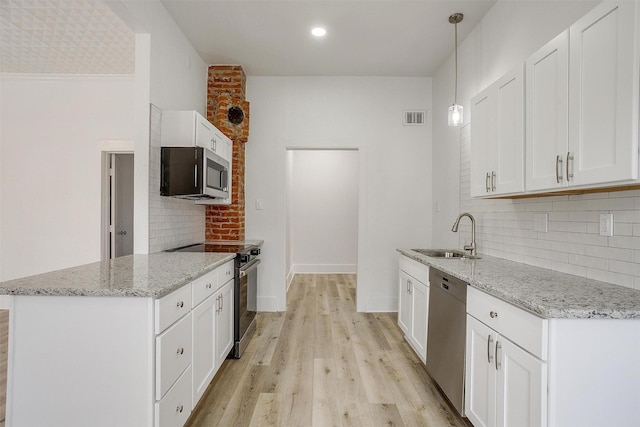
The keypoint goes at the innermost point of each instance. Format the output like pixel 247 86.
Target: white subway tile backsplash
pixel 572 245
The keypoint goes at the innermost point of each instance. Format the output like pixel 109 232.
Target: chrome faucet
pixel 472 246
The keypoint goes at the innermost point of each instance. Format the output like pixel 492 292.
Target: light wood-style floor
pixel 4 344
pixel 323 364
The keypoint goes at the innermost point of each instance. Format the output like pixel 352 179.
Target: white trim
pixel 268 304
pixel 290 275
pixel 381 305
pixel 117 146
pixel 43 76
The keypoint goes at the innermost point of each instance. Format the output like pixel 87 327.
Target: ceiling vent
pixel 413 118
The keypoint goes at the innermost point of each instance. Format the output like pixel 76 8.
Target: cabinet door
pixel 521 390
pixel 204 133
pixel 547 109
pixel 224 323
pixel 507 173
pixel 419 317
pixel 603 95
pixel 482 113
pixel 480 374
pixel 404 303
pixel 204 354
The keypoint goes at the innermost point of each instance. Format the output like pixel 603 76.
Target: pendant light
pixel 455 111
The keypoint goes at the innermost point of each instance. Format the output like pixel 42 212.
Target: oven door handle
pixel 247 268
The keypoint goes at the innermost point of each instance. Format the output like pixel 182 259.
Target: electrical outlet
pixel 540 222
pixel 259 204
pixel 606 225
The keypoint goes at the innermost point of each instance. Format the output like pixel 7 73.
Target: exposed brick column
pixel 225 89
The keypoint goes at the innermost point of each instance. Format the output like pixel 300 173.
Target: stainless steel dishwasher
pixel 446 334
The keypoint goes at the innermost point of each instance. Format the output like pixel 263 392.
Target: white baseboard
pixel 5 301
pixel 267 304
pixel 290 278
pixel 324 268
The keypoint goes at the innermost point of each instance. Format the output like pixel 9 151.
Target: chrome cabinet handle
pixel 493 314
pixel 559 162
pixel 221 302
pixel 493 180
pixel 498 347
pixel 180 304
pixel 180 408
pixel 218 304
pixel 208 285
pixel 180 350
pixel 489 357
pixel 569 174
pixel 409 285
pixel 486 182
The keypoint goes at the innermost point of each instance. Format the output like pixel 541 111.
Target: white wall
pixel 324 211
pixel 508 34
pixel 52 130
pixel 395 191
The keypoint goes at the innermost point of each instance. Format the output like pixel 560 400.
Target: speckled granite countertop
pixel 547 293
pixel 154 275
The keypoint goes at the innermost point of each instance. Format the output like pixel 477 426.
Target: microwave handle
pixel 195 175
pixel 225 179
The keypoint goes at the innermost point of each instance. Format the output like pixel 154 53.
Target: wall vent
pixel 413 118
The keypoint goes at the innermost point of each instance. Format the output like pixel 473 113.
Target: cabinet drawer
pixel 175 408
pixel 523 328
pixel 204 286
pixel 225 273
pixel 414 268
pixel 172 307
pixel 173 354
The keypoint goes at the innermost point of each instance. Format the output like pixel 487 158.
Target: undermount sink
pixel 445 253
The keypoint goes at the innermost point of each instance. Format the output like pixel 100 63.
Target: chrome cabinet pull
pixel 409 286
pixel 221 302
pixel 493 314
pixel 180 304
pixel 218 304
pixel 486 182
pixel 180 408
pixel 489 357
pixel 498 347
pixel 493 180
pixel 569 174
pixel 208 285
pixel 180 350
pixel 558 169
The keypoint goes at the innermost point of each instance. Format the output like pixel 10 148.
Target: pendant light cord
pixel 455 92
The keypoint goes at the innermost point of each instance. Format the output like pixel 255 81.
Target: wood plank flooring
pixel 323 364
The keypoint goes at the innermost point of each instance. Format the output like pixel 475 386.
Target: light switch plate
pixel 259 204
pixel 540 222
pixel 606 225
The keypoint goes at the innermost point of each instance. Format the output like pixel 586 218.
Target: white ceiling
pixel 64 37
pixel 365 37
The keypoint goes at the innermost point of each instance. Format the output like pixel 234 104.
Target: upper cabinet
pixel 497 137
pixel 190 128
pixel 581 109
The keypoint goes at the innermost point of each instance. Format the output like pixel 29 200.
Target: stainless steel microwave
pixel 193 173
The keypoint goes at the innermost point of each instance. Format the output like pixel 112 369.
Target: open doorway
pixel 117 235
pixel 322 211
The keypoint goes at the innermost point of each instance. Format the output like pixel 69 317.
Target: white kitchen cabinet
pixel 523 370
pixel 582 103
pixel 504 385
pixel 224 322
pixel 413 306
pixel 204 346
pixel 547 114
pixel 189 129
pixel 497 137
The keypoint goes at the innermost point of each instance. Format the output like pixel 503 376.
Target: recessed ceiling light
pixel 319 32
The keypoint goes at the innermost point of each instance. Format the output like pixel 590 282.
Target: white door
pixel 482 113
pixel 204 351
pixel 121 205
pixel 480 374
pixel 509 133
pixel 224 323
pixel 521 390
pixel 419 314
pixel 404 303
pixel 603 93
pixel 547 89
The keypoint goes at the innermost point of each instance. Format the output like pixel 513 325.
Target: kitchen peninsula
pixel 109 343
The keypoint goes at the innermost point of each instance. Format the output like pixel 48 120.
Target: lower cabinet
pixel 413 304
pixel 224 323
pixel 505 385
pixel 204 350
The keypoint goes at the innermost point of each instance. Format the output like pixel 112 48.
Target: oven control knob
pixel 255 251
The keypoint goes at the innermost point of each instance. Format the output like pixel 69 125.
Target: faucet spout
pixel 472 247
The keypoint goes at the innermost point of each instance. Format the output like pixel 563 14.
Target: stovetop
pixel 223 247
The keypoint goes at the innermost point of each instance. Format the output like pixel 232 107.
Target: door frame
pixel 108 148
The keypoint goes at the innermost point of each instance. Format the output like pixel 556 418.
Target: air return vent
pixel 413 118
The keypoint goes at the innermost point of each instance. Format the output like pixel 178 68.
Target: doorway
pixel 117 205
pixel 322 200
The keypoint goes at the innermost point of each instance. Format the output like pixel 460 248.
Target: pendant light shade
pixel 455 111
